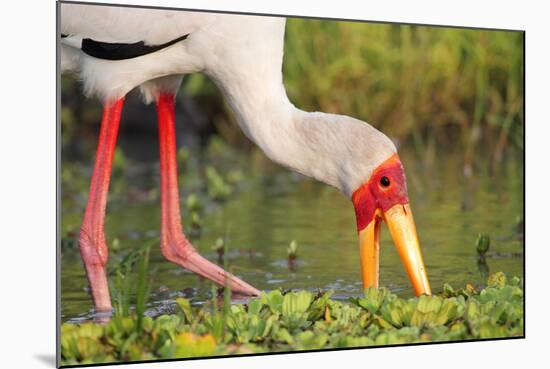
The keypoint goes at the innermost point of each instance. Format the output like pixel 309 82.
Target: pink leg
pixel 174 245
pixel 93 247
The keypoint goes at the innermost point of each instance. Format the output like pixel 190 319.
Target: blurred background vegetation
pixel 426 84
pixel 431 87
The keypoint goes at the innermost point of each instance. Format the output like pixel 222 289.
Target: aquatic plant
pixel 122 281
pixel 196 220
pixel 301 320
pixel 219 247
pixel 482 244
pixel 115 244
pixel 218 188
pixel 193 203
pixel 292 250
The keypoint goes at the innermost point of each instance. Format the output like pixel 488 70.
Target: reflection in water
pixel 482 266
pixel 274 206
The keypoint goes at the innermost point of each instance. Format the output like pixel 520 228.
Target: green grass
pixel 122 286
pixel 279 322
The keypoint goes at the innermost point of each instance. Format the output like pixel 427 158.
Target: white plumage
pixel 243 55
pixel 129 25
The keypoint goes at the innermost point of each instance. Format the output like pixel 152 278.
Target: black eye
pixel 385 181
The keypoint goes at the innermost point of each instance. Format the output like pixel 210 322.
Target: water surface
pixel 272 206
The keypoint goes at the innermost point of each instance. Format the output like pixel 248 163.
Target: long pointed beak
pixel 369 251
pixel 403 232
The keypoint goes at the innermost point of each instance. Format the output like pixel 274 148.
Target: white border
pixel 28 181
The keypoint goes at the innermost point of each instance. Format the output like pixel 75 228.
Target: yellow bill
pixel 402 229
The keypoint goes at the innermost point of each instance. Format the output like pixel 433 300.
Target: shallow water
pixel 273 206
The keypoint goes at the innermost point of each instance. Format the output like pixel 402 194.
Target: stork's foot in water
pixel 94 255
pixel 181 252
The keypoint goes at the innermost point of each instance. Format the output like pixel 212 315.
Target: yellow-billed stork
pixel 115 49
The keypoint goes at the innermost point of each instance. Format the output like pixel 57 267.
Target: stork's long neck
pixel 263 112
pixel 334 149
pixel 267 117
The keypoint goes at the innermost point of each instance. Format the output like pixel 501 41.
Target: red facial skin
pixel 373 195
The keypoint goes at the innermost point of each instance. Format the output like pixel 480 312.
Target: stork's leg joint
pixel 95 254
pixel 177 249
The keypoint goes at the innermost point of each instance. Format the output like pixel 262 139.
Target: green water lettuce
pixel 301 320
